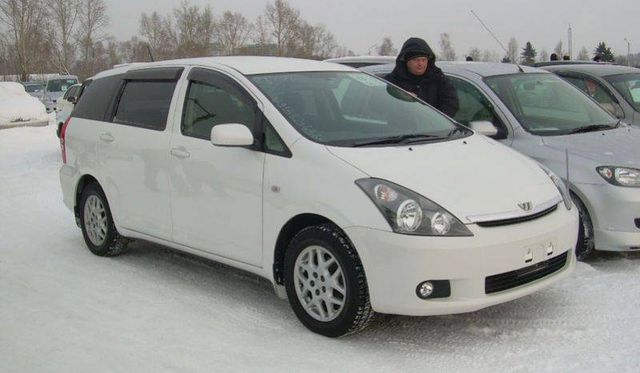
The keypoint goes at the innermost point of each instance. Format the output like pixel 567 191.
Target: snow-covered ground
pixel 63 309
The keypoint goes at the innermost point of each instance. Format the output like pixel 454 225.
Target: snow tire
pixel 110 243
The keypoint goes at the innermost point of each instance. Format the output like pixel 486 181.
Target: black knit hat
pixel 409 55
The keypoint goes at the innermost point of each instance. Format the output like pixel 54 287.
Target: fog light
pixel 425 289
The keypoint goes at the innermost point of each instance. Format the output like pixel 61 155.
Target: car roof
pixel 58 77
pixel 482 69
pixel 595 69
pixel 363 59
pixel 246 65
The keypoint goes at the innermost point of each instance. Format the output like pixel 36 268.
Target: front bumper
pixel 613 212
pixel 395 264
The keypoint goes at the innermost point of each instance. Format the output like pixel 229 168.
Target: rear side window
pixel 145 104
pixel 97 97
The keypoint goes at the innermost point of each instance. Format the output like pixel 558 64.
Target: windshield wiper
pixel 593 128
pixel 404 139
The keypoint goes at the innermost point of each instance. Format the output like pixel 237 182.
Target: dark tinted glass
pixel 97 97
pixel 208 105
pixel 145 104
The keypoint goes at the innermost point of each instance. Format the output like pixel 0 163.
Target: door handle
pixel 180 152
pixel 107 137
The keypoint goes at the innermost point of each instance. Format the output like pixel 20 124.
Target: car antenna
pixel 150 54
pixel 497 40
pixel 566 155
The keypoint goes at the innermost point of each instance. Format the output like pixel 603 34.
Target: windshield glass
pixel 60 85
pixel 544 104
pixel 31 88
pixel 628 85
pixel 353 109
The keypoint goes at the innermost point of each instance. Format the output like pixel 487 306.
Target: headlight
pixel 562 187
pixel 620 176
pixel 410 213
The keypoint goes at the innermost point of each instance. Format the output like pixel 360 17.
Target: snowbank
pixel 18 108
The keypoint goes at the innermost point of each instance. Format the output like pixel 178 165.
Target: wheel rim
pixel 95 220
pixel 319 283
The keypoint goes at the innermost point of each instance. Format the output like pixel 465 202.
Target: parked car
pixel 34 89
pixel 616 88
pixel 65 105
pixel 348 194
pixel 55 88
pixel 18 108
pixel 549 120
pixel 362 61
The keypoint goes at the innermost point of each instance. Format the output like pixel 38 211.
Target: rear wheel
pixel 325 282
pixel 96 222
pixel 586 243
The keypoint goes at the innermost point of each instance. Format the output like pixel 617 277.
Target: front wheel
pixel 325 282
pixel 586 243
pixel 97 225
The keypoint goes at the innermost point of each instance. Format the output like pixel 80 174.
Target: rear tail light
pixel 63 133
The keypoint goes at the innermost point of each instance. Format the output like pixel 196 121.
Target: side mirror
pixel 484 127
pixel 72 100
pixel 231 135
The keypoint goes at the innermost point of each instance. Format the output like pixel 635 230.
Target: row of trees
pixel 528 55
pixel 70 36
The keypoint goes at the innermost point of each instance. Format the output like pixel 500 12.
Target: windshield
pixel 628 85
pixel 353 109
pixel 31 88
pixel 60 85
pixel 546 105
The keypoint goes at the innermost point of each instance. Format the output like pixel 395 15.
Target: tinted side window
pixel 97 97
pixel 145 104
pixel 210 104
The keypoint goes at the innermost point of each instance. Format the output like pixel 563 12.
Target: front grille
pixel 522 219
pixel 508 280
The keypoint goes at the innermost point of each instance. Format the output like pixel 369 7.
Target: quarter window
pixel 145 104
pixel 209 104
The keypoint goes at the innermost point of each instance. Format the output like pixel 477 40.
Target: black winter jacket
pixel 432 87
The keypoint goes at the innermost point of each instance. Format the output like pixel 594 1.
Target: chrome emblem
pixel 526 206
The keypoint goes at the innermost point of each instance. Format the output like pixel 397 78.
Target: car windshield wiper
pixel 404 139
pixel 593 128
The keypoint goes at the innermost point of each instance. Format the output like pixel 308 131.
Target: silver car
pixel 544 117
pixel 55 88
pixel 616 88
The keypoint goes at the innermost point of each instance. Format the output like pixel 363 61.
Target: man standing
pixel 417 73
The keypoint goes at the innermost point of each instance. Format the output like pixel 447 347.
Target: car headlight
pixel 562 187
pixel 620 176
pixel 410 213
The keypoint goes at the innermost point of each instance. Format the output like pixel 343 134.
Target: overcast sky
pixel 361 24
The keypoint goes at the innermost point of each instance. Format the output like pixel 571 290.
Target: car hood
pixel 471 178
pixel 616 147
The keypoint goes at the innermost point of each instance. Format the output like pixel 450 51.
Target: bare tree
pixel 558 49
pixel 284 23
pixel 512 49
pixel 475 54
pixel 447 53
pixel 92 20
pixel 232 31
pixel 490 56
pixel 63 17
pixel 314 42
pixel 544 55
pixel 387 48
pixel 134 50
pixel 159 34
pixel 24 20
pixel 194 30
pixel 583 55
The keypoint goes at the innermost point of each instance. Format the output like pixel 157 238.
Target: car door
pixel 216 192
pixel 133 151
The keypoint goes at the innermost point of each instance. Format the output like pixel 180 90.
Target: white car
pixel 18 108
pixel 345 192
pixel 65 105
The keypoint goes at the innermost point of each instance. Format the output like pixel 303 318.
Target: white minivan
pixel 348 194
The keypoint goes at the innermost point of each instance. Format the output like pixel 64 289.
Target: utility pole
pixel 628 52
pixel 570 43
